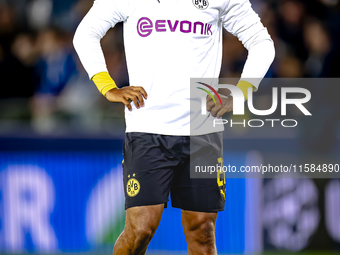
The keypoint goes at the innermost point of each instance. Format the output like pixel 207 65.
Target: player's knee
pixel 205 234
pixel 143 234
pixel 202 230
pixel 141 224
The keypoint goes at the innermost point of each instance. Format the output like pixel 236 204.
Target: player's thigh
pixel 147 169
pixel 199 195
pixel 143 219
pixel 207 192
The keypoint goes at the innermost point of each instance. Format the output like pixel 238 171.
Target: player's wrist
pixel 244 86
pixel 104 82
pixel 110 91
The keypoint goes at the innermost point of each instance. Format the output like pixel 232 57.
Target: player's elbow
pixel 81 36
pixel 260 43
pixel 77 39
pixel 265 49
pixel 270 50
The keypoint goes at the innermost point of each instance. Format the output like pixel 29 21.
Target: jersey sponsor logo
pixel 132 186
pixel 201 4
pixel 145 27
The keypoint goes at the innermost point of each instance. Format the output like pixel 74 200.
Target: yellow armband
pixel 103 82
pixel 244 85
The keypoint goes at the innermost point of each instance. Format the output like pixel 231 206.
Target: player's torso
pixel 167 42
pixel 163 36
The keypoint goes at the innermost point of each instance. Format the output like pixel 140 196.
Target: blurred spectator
pixel 17 68
pixel 39 13
pixel 290 67
pixel 7 28
pixel 55 69
pixel 318 45
pixel 290 26
pixel 56 65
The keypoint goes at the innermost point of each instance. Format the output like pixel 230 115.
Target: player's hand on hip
pixel 126 95
pixel 217 110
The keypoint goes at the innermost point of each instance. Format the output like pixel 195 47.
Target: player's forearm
pixel 261 52
pixel 87 45
pixel 241 20
pixel 102 16
pixel 260 57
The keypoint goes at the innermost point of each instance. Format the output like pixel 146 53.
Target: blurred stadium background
pixel 61 141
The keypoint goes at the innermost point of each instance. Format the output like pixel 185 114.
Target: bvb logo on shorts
pixel 132 187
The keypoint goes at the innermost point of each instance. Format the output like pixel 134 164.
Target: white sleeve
pixel 240 20
pixel 103 15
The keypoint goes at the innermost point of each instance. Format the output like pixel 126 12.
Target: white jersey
pixel 167 42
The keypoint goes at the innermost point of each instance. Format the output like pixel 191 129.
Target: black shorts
pixel 155 165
